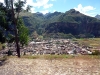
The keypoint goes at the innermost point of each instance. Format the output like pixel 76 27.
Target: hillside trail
pixel 23 66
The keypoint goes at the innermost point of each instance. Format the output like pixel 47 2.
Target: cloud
pixel 47 6
pixel 2 1
pixel 40 3
pixel 37 4
pixel 85 10
pixel 33 10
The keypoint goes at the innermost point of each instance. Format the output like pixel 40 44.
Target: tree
pixel 14 21
pixel 34 35
pixel 3 23
pixel 23 33
pixel 9 17
pixel 13 9
pixel 28 8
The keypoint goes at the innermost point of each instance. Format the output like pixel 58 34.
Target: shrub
pixel 96 52
pixel 3 47
pixel 9 53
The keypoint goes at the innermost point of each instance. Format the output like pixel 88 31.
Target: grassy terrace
pixel 94 42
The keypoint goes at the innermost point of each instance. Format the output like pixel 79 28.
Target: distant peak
pixel 38 13
pixel 74 11
pixel 97 16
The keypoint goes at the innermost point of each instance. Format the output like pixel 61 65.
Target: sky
pixel 87 7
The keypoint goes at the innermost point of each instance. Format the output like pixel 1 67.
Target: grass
pixel 94 42
pixel 51 57
pixel 3 58
pixel 0 46
pixel 88 57
pixel 44 56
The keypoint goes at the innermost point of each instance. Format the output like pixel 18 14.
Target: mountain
pixel 34 21
pixel 71 22
pixel 37 21
pixel 97 16
pixel 53 17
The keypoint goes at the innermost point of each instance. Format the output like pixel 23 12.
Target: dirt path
pixel 15 66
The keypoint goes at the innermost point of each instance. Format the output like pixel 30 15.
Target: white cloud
pixel 37 4
pixel 85 10
pixel 2 1
pixel 44 12
pixel 47 6
pixel 40 3
pixel 33 10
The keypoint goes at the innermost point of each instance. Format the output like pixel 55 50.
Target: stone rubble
pixel 57 46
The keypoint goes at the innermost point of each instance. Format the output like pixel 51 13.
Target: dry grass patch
pixel 94 42
pixel 47 56
pixel 0 46
pixel 59 57
pixel 79 65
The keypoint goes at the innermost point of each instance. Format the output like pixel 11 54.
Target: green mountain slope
pixel 71 22
pixel 75 23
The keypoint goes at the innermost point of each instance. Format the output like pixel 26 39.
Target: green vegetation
pixel 71 22
pixel 96 52
pixel 59 35
pixel 2 59
pixel 68 25
pixel 23 33
pixel 34 35
pixel 92 42
pixel 47 56
pixel 51 57
pixel 11 27
pixel 0 46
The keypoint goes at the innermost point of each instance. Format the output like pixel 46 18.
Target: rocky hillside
pixel 75 23
pixel 71 21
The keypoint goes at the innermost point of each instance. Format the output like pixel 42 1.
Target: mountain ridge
pixel 71 21
pixel 97 16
